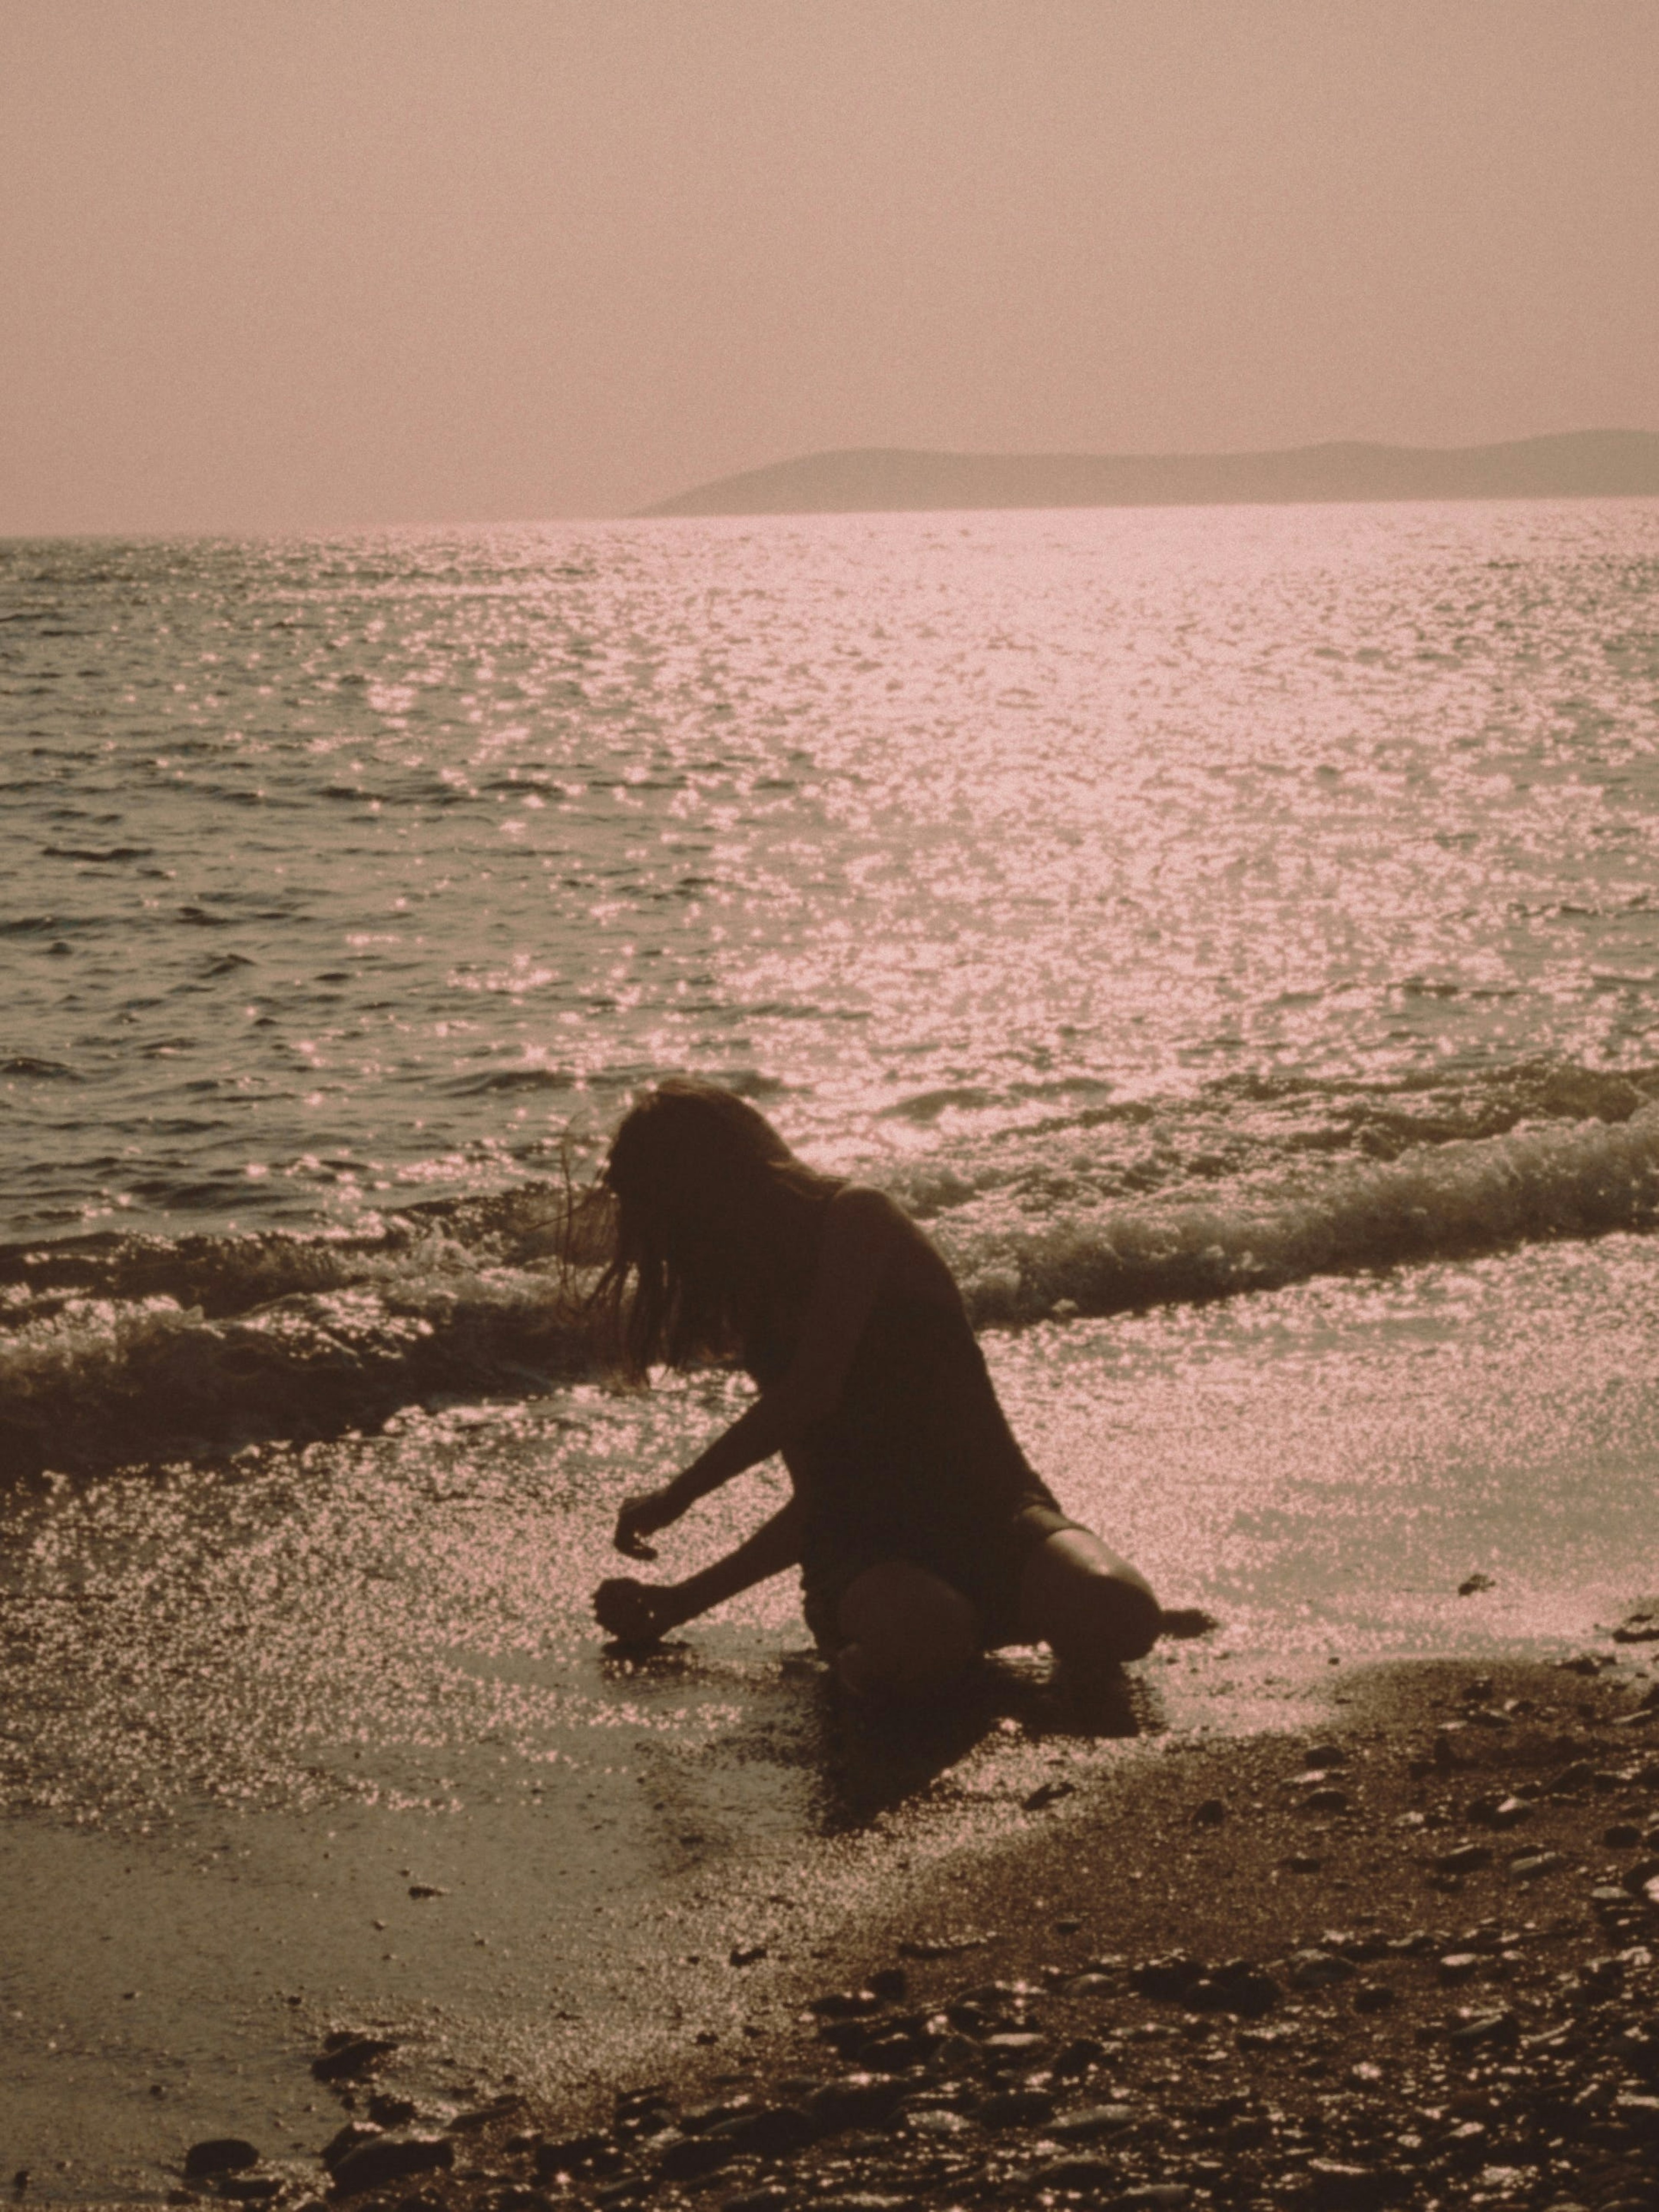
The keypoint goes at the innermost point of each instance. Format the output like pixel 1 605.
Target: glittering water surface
pixel 345 867
pixel 1163 903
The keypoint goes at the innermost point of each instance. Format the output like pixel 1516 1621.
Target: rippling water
pixel 1164 903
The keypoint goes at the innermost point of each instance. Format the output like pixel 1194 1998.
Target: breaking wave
pixel 118 1350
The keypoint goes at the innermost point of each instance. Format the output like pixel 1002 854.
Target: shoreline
pixel 1420 1885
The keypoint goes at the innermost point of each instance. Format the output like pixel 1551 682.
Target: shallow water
pixel 1166 905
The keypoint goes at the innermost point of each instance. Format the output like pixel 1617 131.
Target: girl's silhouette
pixel 922 1534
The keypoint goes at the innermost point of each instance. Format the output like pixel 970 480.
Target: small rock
pixel 1342 2188
pixel 392 2158
pixel 1210 1813
pixel 1167 1979
pixel 1317 1970
pixel 747 1954
pixel 1077 2056
pixel 1091 2122
pixel 1156 2197
pixel 1322 1756
pixel 1329 1799
pixel 219 2154
pixel 1531 1865
pixel 337 2146
pixel 1462 1858
pixel 701 2117
pixel 1471 1585
pixel 688 2158
pixel 1476 2030
pixel 1373 1997
pixel 1459 1966
pixel 348 2058
pixel 845 2004
pixel 1013 2046
pixel 1016 2108
pixel 857 2100
pixel 1046 1794
pixel 570 2155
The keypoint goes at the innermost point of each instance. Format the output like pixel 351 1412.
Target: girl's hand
pixel 641 1517
pixel 635 1612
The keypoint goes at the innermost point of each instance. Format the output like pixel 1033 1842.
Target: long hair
pixel 697 1179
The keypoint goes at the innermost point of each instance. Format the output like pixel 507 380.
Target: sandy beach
pixel 1405 1956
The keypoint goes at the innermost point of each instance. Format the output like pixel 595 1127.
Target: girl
pixel 923 1535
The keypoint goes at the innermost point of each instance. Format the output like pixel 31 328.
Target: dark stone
pixel 398 2113
pixel 1013 2047
pixel 891 2054
pixel 1530 1866
pixel 890 1982
pixel 747 1954
pixel 1075 2060
pixel 1338 2188
pixel 1249 1990
pixel 774 2131
pixel 1016 2108
pixel 1046 1794
pixel 1090 2122
pixel 1462 1858
pixel 1498 2029
pixel 1168 1979
pixel 219 2154
pixel 1373 1996
pixel 688 2157
pixel 1318 1970
pixel 1156 2197
pixel 570 2155
pixel 845 2004
pixel 392 2158
pixel 1459 1966
pixel 1210 1813
pixel 1081 2171
pixel 353 2133
pixel 858 2100
pixel 1328 1800
pixel 701 2117
pixel 349 2058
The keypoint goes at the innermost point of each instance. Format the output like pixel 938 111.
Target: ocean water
pixel 1234 931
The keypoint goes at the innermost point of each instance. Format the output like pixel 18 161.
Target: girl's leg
pixel 907 1633
pixel 1089 1606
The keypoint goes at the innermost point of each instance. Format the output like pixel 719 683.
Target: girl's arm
pixel 640 1612
pixel 862 1230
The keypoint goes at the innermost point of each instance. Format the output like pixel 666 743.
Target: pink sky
pixel 293 263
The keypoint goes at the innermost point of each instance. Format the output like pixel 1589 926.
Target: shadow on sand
pixel 869 1760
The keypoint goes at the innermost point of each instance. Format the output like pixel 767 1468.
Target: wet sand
pixel 1403 1954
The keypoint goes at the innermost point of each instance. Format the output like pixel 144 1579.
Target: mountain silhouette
pixel 1574 464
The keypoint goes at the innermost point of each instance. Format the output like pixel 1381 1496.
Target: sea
pixel 1233 933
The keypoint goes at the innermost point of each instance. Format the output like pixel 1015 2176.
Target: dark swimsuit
pixel 916 1462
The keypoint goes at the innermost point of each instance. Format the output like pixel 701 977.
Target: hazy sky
pixel 268 264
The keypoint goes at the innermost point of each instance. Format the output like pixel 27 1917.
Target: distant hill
pixel 1575 464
